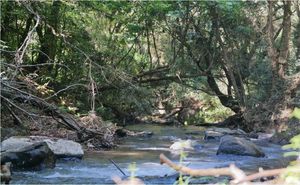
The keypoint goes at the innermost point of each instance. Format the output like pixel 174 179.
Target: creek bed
pixel 96 168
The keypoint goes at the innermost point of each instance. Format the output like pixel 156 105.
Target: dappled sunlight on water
pixel 96 167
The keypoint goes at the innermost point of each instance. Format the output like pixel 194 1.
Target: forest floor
pixel 42 125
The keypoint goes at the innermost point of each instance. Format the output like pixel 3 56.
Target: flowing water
pixel 96 167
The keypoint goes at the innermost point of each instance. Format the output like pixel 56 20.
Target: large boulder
pixel 60 147
pixel 216 133
pixel 37 155
pixel 239 146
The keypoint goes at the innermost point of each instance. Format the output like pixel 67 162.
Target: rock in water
pixel 182 145
pixel 216 133
pixel 65 148
pixel 37 155
pixel 239 146
pixel 60 147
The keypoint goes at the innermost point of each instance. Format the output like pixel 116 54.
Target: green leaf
pixel 294 153
pixel 296 113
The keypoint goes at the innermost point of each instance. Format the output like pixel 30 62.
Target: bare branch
pixel 194 172
pixel 239 176
pixel 266 173
pixel 21 51
pixel 34 65
pixel 23 110
pixel 64 89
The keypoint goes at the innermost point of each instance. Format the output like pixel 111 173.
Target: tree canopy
pixel 128 60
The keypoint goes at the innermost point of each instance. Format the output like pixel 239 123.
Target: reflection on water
pixel 96 168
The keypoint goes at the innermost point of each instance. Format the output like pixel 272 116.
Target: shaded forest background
pixel 183 62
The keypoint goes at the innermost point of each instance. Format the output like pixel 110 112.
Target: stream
pixel 96 168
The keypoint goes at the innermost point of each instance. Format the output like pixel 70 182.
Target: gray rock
pixel 212 135
pixel 37 156
pixel 253 135
pixel 183 145
pixel 239 146
pixel 216 133
pixel 60 147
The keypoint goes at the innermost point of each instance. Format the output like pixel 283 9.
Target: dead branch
pixel 64 89
pixel 35 65
pixel 194 172
pixel 11 94
pixel 17 119
pixel 21 109
pixel 117 166
pixel 21 50
pixel 266 173
pixel 239 176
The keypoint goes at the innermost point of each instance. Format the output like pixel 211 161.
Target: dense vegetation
pixel 81 70
pixel 162 61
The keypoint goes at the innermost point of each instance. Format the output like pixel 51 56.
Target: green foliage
pixel 296 113
pixel 129 42
pixel 182 180
pixel 132 168
pixel 295 141
pixel 295 145
pixel 292 174
pixel 213 111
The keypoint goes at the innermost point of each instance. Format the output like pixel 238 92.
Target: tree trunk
pixel 276 111
pixel 297 38
pixel 284 44
pixel 226 100
pixel 48 39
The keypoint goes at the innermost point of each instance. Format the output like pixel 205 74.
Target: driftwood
pixel 122 132
pixel 239 176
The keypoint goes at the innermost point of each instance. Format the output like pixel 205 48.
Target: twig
pixel 92 88
pixel 112 161
pixel 21 109
pixel 64 89
pixel 23 92
pixel 14 115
